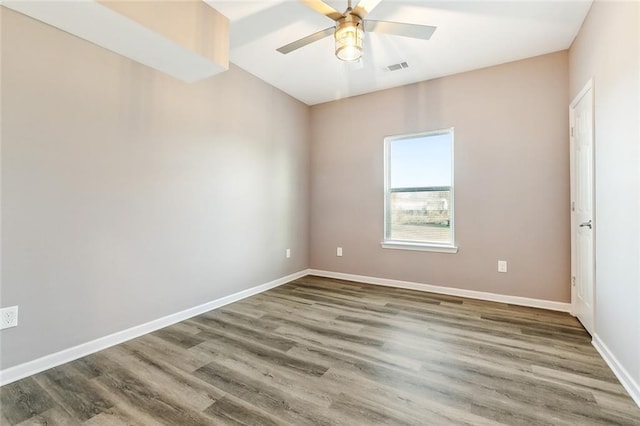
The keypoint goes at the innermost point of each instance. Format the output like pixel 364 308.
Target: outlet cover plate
pixel 8 317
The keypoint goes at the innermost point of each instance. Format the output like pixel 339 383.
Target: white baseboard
pixel 29 368
pixel 621 373
pixel 480 295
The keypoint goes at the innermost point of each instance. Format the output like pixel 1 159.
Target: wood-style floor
pixel 321 351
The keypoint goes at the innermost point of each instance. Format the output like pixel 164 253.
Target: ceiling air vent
pixel 396 67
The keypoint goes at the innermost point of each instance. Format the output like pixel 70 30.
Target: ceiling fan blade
pixel 423 32
pixel 365 7
pixel 288 48
pixel 322 7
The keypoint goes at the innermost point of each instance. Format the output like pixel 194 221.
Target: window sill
pixel 403 245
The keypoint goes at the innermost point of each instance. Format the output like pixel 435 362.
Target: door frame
pixel 587 89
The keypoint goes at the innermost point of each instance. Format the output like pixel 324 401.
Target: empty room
pixel 367 212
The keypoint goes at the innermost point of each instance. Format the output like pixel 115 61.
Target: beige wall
pixel 511 179
pixel 607 49
pixel 128 195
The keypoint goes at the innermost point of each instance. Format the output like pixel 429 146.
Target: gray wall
pixel 128 195
pixel 511 179
pixel 607 49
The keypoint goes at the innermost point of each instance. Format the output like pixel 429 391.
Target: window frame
pixel 417 245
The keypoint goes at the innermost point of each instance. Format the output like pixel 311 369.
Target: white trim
pixel 402 245
pixel 588 86
pixel 386 243
pixel 472 294
pixel 632 387
pixel 29 368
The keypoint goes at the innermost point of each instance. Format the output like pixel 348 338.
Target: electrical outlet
pixel 288 253
pixel 8 317
pixel 339 252
pixel 502 266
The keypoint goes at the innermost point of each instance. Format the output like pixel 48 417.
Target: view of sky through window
pixel 423 164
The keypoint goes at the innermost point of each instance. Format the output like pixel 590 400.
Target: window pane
pixel 420 216
pixel 421 161
pixel 419 188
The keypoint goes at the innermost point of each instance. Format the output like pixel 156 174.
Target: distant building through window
pixel 419 189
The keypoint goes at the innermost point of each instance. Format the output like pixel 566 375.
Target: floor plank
pixel 321 351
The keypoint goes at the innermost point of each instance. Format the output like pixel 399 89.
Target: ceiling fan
pixel 351 26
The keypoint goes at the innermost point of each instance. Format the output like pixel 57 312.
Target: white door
pixel 582 208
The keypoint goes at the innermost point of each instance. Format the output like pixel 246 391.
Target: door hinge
pixel 573 206
pixel 571 131
pixel 573 281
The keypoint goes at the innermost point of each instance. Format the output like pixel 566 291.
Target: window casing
pixel 419 201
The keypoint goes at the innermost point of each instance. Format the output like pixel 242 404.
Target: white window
pixel 419 192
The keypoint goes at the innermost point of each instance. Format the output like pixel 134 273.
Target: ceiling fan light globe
pixel 349 53
pixel 349 38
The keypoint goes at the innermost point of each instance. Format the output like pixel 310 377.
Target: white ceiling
pixel 470 35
